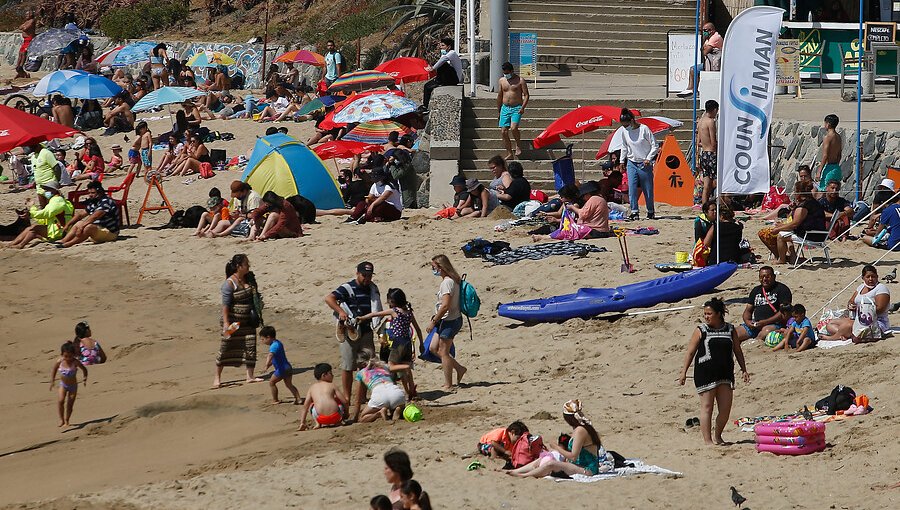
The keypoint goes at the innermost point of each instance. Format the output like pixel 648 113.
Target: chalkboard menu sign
pixel 882 32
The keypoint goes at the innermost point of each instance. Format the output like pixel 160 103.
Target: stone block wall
pixel 802 145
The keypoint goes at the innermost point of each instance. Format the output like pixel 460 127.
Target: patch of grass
pixel 141 19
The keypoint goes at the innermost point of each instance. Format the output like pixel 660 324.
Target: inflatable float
pixel 790 438
pixel 589 302
pixel 427 355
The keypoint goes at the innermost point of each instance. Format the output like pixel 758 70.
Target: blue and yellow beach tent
pixel 283 164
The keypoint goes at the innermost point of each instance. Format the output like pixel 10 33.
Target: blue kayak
pixel 590 302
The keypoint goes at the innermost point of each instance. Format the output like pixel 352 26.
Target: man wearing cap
pixel 460 194
pixel 593 211
pixel 483 202
pixel 49 220
pixel 356 298
pixel 99 220
pixel 244 201
pixel 43 165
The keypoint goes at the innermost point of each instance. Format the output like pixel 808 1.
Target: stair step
pixel 620 10
pixel 599 27
pixel 612 38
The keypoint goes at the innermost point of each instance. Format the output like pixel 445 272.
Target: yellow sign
pixel 787 60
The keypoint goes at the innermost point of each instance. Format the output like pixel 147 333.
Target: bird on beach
pixel 807 415
pixel 890 277
pixel 737 498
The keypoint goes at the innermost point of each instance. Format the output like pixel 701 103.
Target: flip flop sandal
pixel 475 465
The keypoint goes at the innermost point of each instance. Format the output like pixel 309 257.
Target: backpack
pixel 342 65
pixel 206 171
pixel 479 247
pixel 469 302
pixel 841 399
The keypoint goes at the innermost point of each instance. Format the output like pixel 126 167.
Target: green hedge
pixel 140 19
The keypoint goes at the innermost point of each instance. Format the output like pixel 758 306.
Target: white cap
pixel 888 183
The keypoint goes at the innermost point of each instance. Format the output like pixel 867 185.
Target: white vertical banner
pixel 748 94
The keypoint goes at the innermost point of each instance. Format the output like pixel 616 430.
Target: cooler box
pixel 564 169
pixel 217 156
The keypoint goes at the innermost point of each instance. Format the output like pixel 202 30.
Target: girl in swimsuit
pixel 91 351
pixel 67 366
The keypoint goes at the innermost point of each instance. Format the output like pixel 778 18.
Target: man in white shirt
pixel 448 68
pixel 639 147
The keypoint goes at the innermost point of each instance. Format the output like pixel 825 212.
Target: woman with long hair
pixel 447 319
pixel 397 471
pixel 583 455
pixel 89 350
pixel 159 66
pixel 713 348
pixel 239 297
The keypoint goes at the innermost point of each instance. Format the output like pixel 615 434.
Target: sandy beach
pixel 150 433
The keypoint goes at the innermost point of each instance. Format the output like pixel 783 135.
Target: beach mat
pixel 639 468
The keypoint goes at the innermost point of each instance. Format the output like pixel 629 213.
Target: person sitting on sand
pixel 585 454
pixel 482 200
pixel 497 443
pixel 120 119
pixel 712 349
pixel 197 154
pixel 328 405
pixel 276 106
pixel 216 213
pixel 353 190
pixel 799 334
pixel 397 471
pixel 553 208
pixel 869 292
pixel 380 502
pixel 704 221
pixel 518 190
pixel 275 218
pixel 89 350
pixel 592 216
pixel 885 233
pixel 244 201
pixel 383 203
pixel 91 166
pixel 502 178
pixel 116 160
pixel 67 367
pixel 461 199
pixel 763 313
pixel 724 244
pixel 277 359
pixel 833 203
pixel 99 220
pixel 387 397
pixel 50 220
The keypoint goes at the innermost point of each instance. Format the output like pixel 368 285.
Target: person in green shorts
pixel 512 98
pixel 830 168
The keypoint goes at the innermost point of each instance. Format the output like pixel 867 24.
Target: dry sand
pixel 152 435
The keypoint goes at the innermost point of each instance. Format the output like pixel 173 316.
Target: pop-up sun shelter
pixel 282 164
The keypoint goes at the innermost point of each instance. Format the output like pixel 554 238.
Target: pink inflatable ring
pixel 789 429
pixel 791 449
pixel 797 440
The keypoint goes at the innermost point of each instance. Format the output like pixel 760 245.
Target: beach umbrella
pixel 361 80
pixel 315 104
pixel 18 129
pixel 53 80
pixel 210 59
pixel 578 121
pixel 374 107
pixel 376 131
pixel 406 69
pixel 302 57
pixel 133 53
pixel 656 125
pixel 345 149
pixel 164 96
pixel 329 123
pixel 106 58
pixel 53 41
pixel 88 86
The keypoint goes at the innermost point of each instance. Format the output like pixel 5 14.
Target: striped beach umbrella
pixel 210 59
pixel 375 132
pixel 106 58
pixel 302 57
pixel 164 96
pixel 134 53
pixel 361 80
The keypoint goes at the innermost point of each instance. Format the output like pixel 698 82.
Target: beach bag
pixel 479 247
pixel 206 171
pixel 700 254
pixel 775 198
pixel 526 449
pixel 840 399
pixel 33 64
pixel 539 195
pixel 865 325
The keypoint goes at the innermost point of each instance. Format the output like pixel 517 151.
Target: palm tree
pixel 429 20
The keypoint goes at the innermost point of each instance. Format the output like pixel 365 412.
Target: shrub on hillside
pixel 142 18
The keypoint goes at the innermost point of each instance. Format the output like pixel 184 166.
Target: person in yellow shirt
pixel 44 166
pixel 49 220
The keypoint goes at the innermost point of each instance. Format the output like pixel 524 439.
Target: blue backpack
pixel 469 302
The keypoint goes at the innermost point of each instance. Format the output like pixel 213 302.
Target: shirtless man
pixel 512 98
pixel 28 28
pixel 706 130
pixel 62 111
pixel 329 406
pixel 120 118
pixel 830 166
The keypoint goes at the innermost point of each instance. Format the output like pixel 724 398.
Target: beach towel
pixel 639 468
pixel 831 344
pixel 569 229
pixel 542 251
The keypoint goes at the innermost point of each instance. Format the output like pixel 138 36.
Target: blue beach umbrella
pixel 164 96
pixel 88 86
pixel 52 81
pixel 134 53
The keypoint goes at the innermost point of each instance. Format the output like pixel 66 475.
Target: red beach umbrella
pixel 578 121
pixel 406 69
pixel 18 129
pixel 344 149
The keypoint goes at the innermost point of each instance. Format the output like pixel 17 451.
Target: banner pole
pixel 696 86
pixel 862 53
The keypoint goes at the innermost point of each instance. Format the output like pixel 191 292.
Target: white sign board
pixel 681 60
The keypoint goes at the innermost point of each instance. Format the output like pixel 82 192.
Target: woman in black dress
pixel 711 348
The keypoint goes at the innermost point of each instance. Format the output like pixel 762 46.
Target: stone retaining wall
pixel 802 145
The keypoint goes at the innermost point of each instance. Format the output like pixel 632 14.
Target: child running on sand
pixel 799 334
pixel 67 366
pixel 278 359
pixel 402 324
pixel 328 404
pixel 145 146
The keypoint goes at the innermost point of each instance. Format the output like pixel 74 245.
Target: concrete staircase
pixel 480 138
pixel 601 36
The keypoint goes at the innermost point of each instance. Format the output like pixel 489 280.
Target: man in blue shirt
pixel 887 230
pixel 334 63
